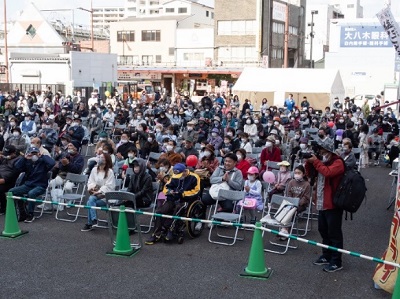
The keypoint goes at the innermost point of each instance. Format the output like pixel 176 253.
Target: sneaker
pixel 22 217
pixel 321 261
pixel 40 206
pixel 153 239
pixel 29 218
pixel 198 226
pixel 87 228
pixel 2 212
pixel 376 163
pixel 169 236
pixel 332 268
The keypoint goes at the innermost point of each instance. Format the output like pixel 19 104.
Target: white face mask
pixel 214 134
pixel 207 153
pixel 248 122
pixel 268 144
pixel 325 158
pixel 229 134
pixel 298 177
pixel 240 157
pixel 297 136
pixel 251 177
pixel 303 146
pixel 256 121
pixel 35 158
pixel 15 134
pixel 282 169
pixel 149 139
pixel 163 169
pixel 169 148
pixel 131 156
pixel 12 124
pixel 124 141
pixel 105 152
pixel 276 123
pixel 277 142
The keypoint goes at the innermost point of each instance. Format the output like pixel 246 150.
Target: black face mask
pixel 321 136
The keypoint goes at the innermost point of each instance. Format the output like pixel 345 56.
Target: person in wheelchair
pixel 182 189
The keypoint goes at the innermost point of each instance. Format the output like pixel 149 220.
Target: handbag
pixel 214 189
pixel 248 203
pixel 285 213
pixel 203 173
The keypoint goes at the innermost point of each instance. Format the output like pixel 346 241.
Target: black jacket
pixel 8 172
pixel 141 185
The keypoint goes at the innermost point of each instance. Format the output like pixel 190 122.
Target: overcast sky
pixel 371 7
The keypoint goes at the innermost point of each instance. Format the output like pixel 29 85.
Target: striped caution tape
pixel 241 225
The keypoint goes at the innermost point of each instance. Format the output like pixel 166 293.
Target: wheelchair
pixel 176 230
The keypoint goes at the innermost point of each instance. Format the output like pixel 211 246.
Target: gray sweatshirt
pixel 235 178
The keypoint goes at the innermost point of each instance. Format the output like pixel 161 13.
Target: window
pixel 243 27
pixel 170 10
pixel 293 30
pixel 158 58
pixel 277 53
pixel 350 5
pixel 127 36
pixel 31 31
pixel 278 27
pixel 151 35
pixel 193 56
pixel 207 13
pixel 171 51
pixel 182 10
pixel 212 15
pixel 237 53
pixel 147 60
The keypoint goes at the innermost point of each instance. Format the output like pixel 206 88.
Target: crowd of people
pixel 42 134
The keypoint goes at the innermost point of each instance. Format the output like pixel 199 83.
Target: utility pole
pixel 286 43
pixel 313 12
pixel 5 40
pixel 91 24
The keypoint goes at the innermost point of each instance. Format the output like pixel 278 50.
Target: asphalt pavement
pixel 56 259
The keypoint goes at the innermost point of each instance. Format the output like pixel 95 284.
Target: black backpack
pixel 350 192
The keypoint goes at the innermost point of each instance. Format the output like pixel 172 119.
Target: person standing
pixel 328 174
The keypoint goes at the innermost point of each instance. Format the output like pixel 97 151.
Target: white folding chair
pixel 257 150
pixel 269 222
pixel 227 195
pixel 307 215
pixel 45 197
pixel 114 200
pixel 128 172
pixel 151 208
pixel 357 151
pixel 76 196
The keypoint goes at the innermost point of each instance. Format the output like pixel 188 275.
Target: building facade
pixel 103 16
pixel 351 9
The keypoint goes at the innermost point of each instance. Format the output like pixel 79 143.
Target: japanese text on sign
pixel 391 27
pixel 363 37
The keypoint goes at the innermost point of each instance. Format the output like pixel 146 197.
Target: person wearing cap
pixel 211 162
pixel 70 161
pixel 183 186
pixel 227 173
pixel 76 130
pixel 28 126
pixel 324 138
pixel 36 168
pixel 327 173
pixel 37 142
pixel 16 139
pixel 188 148
pixel 95 125
pixel 8 173
pixel 215 139
pixel 190 132
pixel 270 153
pixel 282 178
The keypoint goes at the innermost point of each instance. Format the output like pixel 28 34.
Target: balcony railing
pixel 222 64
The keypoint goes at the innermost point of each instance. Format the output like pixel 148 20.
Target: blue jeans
pixel 29 192
pixel 93 201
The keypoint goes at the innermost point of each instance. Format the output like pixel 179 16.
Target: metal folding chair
pixel 228 195
pixel 76 197
pixel 114 200
pixel 151 208
pixel 276 201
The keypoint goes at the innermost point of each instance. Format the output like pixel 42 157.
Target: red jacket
pixel 266 155
pixel 333 173
pixel 243 166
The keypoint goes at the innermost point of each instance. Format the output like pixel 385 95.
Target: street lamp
pixel 91 21
pixel 313 12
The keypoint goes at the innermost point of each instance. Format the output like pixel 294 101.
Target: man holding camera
pixel 327 170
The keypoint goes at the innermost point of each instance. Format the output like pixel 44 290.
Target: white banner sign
pixel 279 11
pixel 391 27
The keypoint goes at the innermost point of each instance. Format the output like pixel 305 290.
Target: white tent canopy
pixel 320 86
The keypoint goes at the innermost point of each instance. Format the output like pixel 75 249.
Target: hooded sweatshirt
pixel 141 185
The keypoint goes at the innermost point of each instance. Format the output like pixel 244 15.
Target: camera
pixel 315 147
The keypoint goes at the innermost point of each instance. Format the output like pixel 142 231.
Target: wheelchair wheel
pixel 195 210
